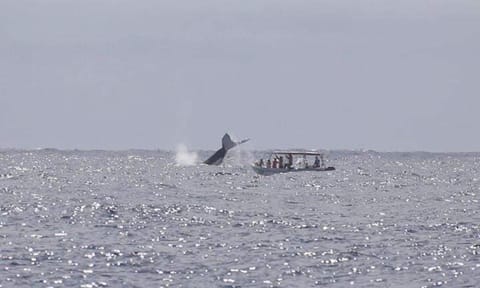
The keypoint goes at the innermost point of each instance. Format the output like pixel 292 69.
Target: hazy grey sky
pixel 118 74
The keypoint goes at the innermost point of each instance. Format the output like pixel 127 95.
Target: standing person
pixel 317 162
pixel 269 163
pixel 290 160
pixel 280 162
pixel 261 162
pixel 275 163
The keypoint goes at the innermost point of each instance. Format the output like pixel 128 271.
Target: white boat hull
pixel 270 171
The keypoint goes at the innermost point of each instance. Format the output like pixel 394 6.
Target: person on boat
pixel 269 163
pixel 290 161
pixel 275 163
pixel 280 162
pixel 316 164
pixel 261 162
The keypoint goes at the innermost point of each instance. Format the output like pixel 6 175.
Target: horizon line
pixel 362 150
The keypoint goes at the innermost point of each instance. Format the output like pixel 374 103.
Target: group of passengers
pixel 278 162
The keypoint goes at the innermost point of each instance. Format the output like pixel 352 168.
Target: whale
pixel 227 144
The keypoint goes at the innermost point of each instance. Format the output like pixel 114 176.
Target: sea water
pixel 137 219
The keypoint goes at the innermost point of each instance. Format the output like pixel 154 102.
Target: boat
pixel 283 162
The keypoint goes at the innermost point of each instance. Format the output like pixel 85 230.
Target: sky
pixel 385 75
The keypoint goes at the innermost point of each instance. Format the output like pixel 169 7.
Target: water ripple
pixel 135 219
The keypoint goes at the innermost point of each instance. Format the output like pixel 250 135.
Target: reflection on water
pixel 136 219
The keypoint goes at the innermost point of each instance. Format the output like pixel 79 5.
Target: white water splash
pixel 184 157
pixel 241 157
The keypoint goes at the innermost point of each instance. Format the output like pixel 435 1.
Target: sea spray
pixel 241 157
pixel 185 158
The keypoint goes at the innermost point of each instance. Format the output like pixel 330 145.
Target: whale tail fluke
pixel 227 144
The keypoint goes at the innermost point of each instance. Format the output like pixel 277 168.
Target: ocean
pixel 137 219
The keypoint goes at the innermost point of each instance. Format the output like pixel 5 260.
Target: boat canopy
pixel 297 152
